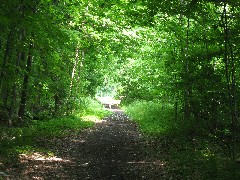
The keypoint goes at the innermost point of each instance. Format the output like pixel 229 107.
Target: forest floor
pixel 113 149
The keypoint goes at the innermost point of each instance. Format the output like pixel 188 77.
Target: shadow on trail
pixel 111 150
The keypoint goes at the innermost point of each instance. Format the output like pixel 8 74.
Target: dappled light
pixel 129 89
pixel 94 119
pixel 38 156
pixel 157 163
pixel 114 148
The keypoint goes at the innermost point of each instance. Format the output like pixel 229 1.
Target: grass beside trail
pixel 188 154
pixel 154 118
pixel 17 140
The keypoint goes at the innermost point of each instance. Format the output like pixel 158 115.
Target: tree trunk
pixel 80 69
pixel 23 101
pixel 6 54
pixel 74 71
pixel 4 83
pixel 56 104
pixel 72 80
pixel 20 58
pixel 187 91
pixel 230 77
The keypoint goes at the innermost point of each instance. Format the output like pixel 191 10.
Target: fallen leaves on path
pixel 112 149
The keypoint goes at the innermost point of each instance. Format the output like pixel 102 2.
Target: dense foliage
pixel 180 53
pixel 189 57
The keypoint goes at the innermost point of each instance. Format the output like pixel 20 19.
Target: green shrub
pixel 153 117
pixel 58 127
pixel 89 106
pixel 17 139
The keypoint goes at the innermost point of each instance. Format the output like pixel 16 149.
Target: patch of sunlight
pixel 131 33
pixel 158 163
pixel 207 153
pixel 37 156
pixel 85 164
pixel 79 141
pixel 29 153
pixel 105 99
pixel 92 118
pixel 38 178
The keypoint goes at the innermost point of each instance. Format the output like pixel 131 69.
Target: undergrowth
pixel 154 118
pixel 16 140
pixel 189 155
pixel 88 106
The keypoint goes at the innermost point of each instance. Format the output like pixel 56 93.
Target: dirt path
pixel 112 150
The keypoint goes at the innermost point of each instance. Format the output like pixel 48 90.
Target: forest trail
pixel 112 150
